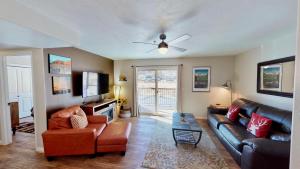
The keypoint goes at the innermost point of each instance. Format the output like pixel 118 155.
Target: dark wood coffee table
pixel 186 129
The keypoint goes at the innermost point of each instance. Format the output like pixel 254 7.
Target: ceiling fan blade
pixel 180 39
pixel 146 43
pixel 178 49
pixel 151 50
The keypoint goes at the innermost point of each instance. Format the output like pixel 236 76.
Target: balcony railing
pixel 166 97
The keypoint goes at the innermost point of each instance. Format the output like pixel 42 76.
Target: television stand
pixel 105 107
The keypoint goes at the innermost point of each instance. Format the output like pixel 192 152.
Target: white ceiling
pixel 217 27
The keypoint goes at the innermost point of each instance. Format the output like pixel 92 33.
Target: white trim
pixel 5 119
pixel 39 95
pixel 39 149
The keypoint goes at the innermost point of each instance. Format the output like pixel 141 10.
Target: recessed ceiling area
pixel 218 28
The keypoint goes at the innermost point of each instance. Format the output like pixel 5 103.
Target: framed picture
pixel 201 79
pixel 59 64
pixel 61 84
pixel 271 77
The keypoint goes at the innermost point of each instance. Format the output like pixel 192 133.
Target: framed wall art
pixel 61 84
pixel 201 79
pixel 60 65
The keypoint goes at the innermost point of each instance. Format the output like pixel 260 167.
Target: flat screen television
pixel 103 83
pixel 90 84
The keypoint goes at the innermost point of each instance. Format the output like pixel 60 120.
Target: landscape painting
pixel 271 77
pixel 201 79
pixel 61 85
pixel 59 65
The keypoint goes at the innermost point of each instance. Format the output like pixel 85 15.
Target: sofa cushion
pixel 243 121
pixel 233 112
pixel 66 113
pixel 235 134
pixel 247 107
pixel 59 123
pixel 282 119
pixel 115 134
pixel 259 125
pixel 217 119
pixel 279 136
pixel 99 127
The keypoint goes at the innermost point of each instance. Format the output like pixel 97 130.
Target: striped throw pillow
pixel 79 120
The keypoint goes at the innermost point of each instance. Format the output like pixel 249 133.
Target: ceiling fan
pixel 164 46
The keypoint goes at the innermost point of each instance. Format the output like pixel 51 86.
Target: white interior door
pixel 20 88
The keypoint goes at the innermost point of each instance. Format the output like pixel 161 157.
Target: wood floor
pixel 21 154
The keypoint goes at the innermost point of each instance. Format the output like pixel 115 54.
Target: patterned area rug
pixel 25 127
pixel 163 154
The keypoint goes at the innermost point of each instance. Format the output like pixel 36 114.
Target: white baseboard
pixel 39 149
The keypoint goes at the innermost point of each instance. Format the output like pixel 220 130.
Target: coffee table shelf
pixel 186 129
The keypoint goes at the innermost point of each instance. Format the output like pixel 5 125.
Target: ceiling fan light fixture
pixel 163 48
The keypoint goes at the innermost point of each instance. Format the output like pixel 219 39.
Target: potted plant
pixel 124 112
pixel 122 102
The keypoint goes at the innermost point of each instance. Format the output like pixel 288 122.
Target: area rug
pixel 163 154
pixel 25 127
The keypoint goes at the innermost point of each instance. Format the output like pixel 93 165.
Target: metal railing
pixel 166 97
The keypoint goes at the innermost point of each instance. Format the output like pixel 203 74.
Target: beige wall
pixel 193 102
pixel 81 61
pixel 246 70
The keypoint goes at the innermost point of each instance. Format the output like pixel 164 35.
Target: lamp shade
pixel 163 48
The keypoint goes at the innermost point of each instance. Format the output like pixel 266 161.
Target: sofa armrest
pixel 69 141
pixel 214 110
pixel 269 147
pixel 97 119
pixel 264 154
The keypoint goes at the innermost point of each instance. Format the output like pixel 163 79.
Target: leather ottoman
pixel 114 138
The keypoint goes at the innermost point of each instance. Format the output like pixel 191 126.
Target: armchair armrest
pixel 264 154
pixel 214 110
pixel 69 141
pixel 97 119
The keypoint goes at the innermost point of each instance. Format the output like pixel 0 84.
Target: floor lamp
pixel 228 85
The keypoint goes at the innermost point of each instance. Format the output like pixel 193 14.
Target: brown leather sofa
pixel 247 150
pixel 61 139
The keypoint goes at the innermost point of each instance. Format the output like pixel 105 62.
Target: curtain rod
pixel 156 65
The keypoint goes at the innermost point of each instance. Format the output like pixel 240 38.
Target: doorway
pixel 20 97
pixel 157 90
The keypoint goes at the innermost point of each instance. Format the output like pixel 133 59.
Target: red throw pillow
pixel 233 112
pixel 259 125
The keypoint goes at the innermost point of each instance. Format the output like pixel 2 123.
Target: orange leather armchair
pixel 61 139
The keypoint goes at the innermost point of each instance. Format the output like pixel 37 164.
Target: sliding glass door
pixel 157 90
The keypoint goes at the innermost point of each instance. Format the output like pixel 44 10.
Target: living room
pixel 105 90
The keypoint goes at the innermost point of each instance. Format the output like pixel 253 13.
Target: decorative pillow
pixel 233 112
pixel 259 125
pixel 79 119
